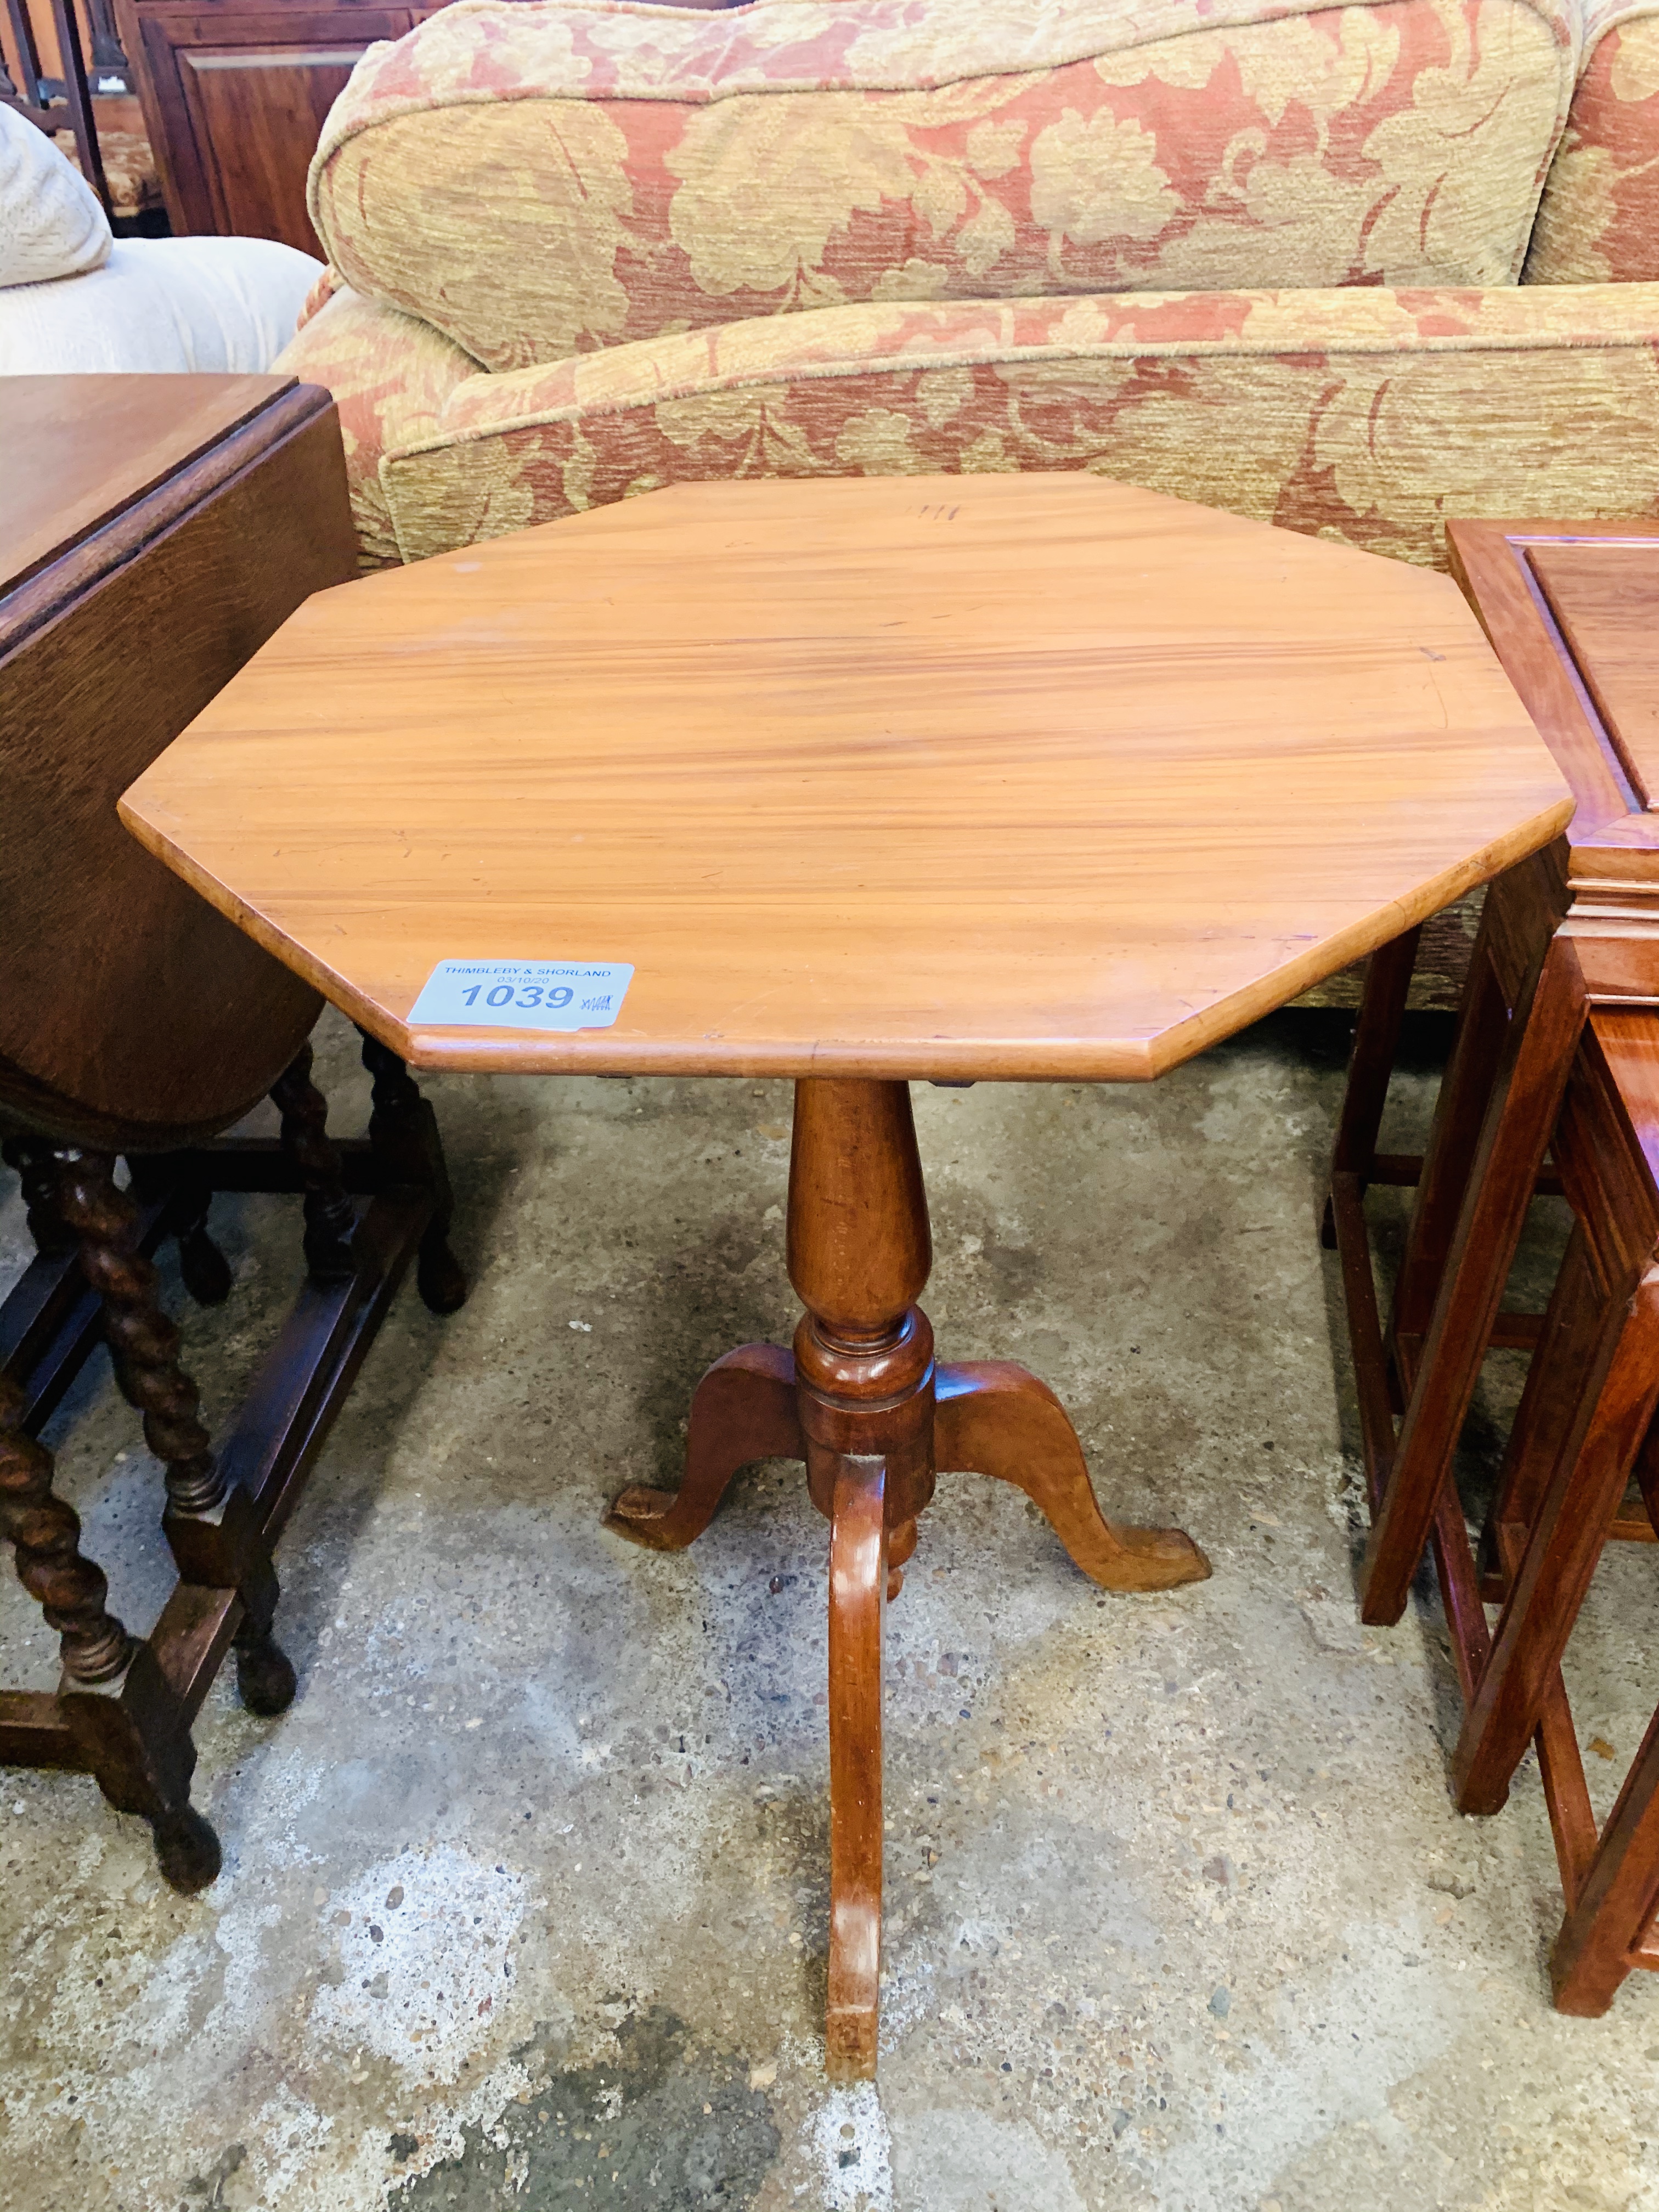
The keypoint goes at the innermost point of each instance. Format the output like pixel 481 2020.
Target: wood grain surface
pixel 1605 599
pixel 132 1017
pixel 1614 839
pixel 1019 776
pixel 78 450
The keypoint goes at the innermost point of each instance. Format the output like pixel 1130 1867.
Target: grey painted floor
pixel 523 1900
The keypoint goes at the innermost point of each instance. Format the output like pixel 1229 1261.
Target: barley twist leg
pixel 403 1130
pixel 122 1713
pixel 329 1216
pixel 44 1534
pixel 143 1343
pixel 211 1525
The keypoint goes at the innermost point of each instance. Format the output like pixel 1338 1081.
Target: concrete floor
pixel 523 1900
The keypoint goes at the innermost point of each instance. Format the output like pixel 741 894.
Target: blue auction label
pixel 522 994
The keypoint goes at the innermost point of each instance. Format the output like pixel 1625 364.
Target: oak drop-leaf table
pixel 1022 778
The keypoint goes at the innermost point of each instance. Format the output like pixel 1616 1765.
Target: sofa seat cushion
pixel 1360 415
pixel 1599 218
pixel 539 181
pixel 159 305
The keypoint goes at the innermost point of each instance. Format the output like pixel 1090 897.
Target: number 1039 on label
pixel 522 994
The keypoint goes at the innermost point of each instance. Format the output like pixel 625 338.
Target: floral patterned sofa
pixel 1351 269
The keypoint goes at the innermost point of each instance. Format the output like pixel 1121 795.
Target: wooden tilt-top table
pixel 1017 778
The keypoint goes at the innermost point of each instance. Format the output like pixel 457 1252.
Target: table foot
pixel 744 1410
pixel 133 1734
pixel 858 1590
pixel 265 1680
pixel 187 1853
pixel 995 1418
pixel 203 1267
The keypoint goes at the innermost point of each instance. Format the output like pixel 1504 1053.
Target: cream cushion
pixel 51 224
pixel 159 304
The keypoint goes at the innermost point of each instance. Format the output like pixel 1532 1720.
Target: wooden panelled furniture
pixel 157 529
pixel 1556 1051
pixel 234 97
pixel 1033 777
pixel 235 94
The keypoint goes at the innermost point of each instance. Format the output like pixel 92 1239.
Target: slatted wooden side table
pixel 156 530
pixel 1555 1052
pixel 1568 608
pixel 1008 778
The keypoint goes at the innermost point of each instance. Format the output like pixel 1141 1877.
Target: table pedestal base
pixel 861 1400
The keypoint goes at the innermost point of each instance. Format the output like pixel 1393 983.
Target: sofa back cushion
pixel 541 179
pixel 1599 218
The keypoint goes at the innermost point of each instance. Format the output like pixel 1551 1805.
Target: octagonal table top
pixel 1018 776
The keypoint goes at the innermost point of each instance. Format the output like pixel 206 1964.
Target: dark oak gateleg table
pixel 154 531
pixel 1034 778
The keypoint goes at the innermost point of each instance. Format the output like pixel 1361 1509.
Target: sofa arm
pixel 1599 218
pixel 1358 414
pixel 390 376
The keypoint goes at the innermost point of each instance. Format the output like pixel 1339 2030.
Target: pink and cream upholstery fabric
pixel 649 171
pixel 1360 414
pixel 1599 219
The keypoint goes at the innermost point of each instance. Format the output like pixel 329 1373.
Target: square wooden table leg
pixel 1618 1389
pixel 1370 1063
pixel 1482 1114
pixel 1609 1925
pixel 1584 1424
pixel 1501 1181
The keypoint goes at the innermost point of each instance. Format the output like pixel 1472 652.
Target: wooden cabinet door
pixel 236 101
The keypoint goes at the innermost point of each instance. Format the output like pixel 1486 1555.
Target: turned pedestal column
pixel 862 1401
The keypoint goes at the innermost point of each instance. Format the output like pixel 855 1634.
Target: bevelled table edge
pixel 1094 1060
